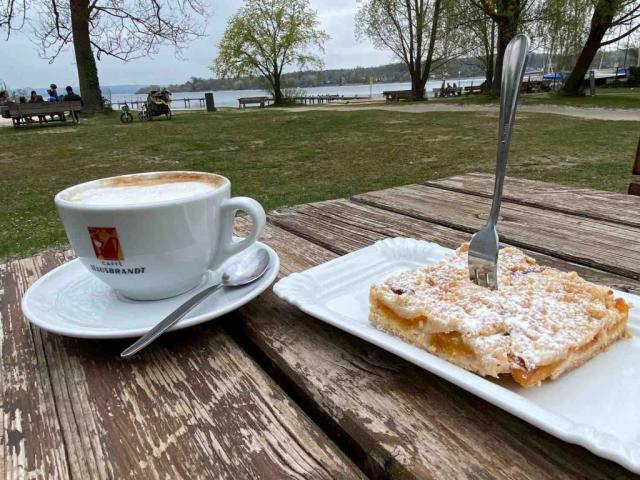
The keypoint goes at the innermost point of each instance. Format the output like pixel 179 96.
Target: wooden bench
pixel 447 92
pixel 21 113
pixel 261 101
pixel 634 187
pixel 397 95
pixel 471 89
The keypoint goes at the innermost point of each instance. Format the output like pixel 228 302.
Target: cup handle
pixel 229 247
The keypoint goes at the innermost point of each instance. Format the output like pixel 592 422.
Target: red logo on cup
pixel 105 243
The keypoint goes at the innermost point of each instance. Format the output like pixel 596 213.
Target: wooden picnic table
pixel 260 101
pixel 22 113
pixel 397 95
pixel 269 392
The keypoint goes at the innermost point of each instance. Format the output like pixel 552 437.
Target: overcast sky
pixel 29 70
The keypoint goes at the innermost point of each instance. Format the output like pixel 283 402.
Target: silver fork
pixel 483 250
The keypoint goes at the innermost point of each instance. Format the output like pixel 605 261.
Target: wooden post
pixel 636 164
pixel 211 105
pixel 592 83
pixel 634 187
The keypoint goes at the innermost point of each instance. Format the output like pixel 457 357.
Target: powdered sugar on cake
pixel 536 317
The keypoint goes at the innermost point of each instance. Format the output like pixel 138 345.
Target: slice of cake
pixel 540 322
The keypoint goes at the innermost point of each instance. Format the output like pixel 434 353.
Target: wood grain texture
pixel 32 443
pixel 603 245
pixel 342 226
pixel 598 204
pixel 193 405
pixel 400 421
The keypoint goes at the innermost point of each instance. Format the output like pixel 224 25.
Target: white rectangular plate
pixel 595 406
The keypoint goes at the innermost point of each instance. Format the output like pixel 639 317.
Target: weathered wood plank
pixel 342 226
pixel 193 405
pixel 32 444
pixel 598 204
pixel 401 421
pixel 595 243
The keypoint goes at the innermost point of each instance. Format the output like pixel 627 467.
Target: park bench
pixel 471 89
pixel 22 113
pixel 634 187
pixel 244 101
pixel 397 95
pixel 534 86
pixel 451 92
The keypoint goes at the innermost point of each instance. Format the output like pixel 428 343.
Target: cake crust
pixel 540 323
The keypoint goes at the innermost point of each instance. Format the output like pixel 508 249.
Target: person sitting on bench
pixel 54 97
pixel 53 93
pixel 72 96
pixel 35 98
pixel 5 101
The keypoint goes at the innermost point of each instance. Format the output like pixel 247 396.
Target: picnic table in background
pixel 18 111
pixel 260 101
pixel 269 392
pixel 397 95
pixel 471 89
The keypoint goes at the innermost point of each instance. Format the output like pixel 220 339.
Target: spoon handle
pixel 169 321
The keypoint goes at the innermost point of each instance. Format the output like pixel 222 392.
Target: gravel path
pixel 614 114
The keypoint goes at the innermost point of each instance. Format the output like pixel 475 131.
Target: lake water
pixel 229 98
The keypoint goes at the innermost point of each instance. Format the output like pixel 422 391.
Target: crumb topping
pixel 541 312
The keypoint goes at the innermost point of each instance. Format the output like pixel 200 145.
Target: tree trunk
pixel 417 86
pixel 506 31
pixel 490 57
pixel 574 85
pixel 85 61
pixel 415 68
pixel 600 21
pixel 278 97
pixel 432 43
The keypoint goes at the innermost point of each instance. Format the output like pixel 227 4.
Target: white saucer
pixel 72 302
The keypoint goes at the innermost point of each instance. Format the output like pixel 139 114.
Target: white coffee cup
pixel 155 235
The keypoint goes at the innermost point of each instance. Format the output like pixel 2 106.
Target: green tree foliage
pixel 560 31
pixel 422 34
pixel 267 35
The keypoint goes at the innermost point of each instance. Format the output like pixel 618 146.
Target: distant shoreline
pixel 145 90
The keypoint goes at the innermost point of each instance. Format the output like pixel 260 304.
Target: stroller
pixel 158 103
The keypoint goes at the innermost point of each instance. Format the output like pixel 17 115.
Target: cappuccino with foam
pixel 155 235
pixel 148 189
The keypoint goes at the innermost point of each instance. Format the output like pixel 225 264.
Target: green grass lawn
pixel 284 158
pixel 604 98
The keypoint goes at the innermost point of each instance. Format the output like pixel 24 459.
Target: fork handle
pixel 515 57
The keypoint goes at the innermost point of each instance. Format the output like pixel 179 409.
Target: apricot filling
pixel 451 343
pixel 529 378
